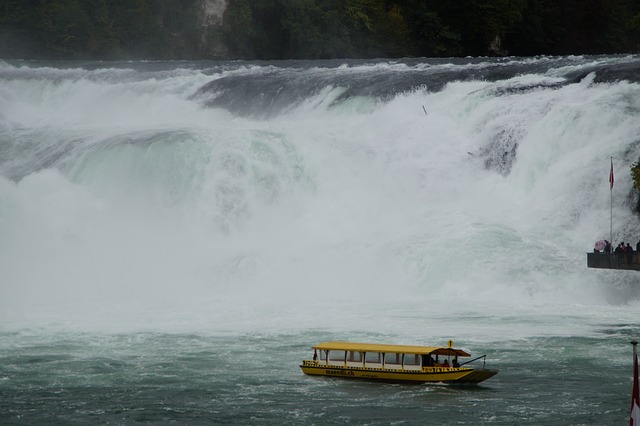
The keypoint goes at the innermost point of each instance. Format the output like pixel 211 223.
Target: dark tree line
pixel 281 29
pixel 392 28
pixel 98 29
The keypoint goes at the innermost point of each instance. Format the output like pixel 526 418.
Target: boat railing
pixel 614 261
pixel 484 362
pixel 412 367
pixel 378 365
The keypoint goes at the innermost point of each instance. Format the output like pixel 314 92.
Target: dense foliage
pixel 97 29
pixel 277 29
pixel 635 175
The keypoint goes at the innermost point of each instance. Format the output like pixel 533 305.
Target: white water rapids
pixel 307 198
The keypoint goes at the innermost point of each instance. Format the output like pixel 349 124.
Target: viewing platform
pixel 613 261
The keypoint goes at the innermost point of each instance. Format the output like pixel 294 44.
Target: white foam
pixel 162 205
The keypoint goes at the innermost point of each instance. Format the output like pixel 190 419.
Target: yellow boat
pixel 394 363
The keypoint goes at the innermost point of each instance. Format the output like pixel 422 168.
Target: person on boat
pixel 638 246
pixel 629 252
pixel 315 355
pixel 607 246
pixel 445 363
pixel 427 361
pixel 455 363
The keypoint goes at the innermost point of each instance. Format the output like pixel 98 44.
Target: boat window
pixel 411 359
pixel 354 356
pixel 393 358
pixel 336 355
pixel 373 357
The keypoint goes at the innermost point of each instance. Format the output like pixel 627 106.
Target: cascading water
pixel 404 201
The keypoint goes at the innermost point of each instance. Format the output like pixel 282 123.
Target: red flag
pixel 634 415
pixel 611 176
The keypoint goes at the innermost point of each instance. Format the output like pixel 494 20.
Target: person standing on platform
pixel 619 252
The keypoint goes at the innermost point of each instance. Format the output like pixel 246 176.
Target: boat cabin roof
pixel 401 349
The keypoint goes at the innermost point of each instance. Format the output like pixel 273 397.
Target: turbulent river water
pixel 175 236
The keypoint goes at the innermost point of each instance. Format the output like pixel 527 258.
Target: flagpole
pixel 611 208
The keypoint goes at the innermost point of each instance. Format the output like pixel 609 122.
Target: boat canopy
pixel 400 349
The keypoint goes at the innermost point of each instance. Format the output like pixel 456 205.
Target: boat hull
pixel 451 375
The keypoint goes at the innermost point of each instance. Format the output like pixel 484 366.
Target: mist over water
pixel 404 201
